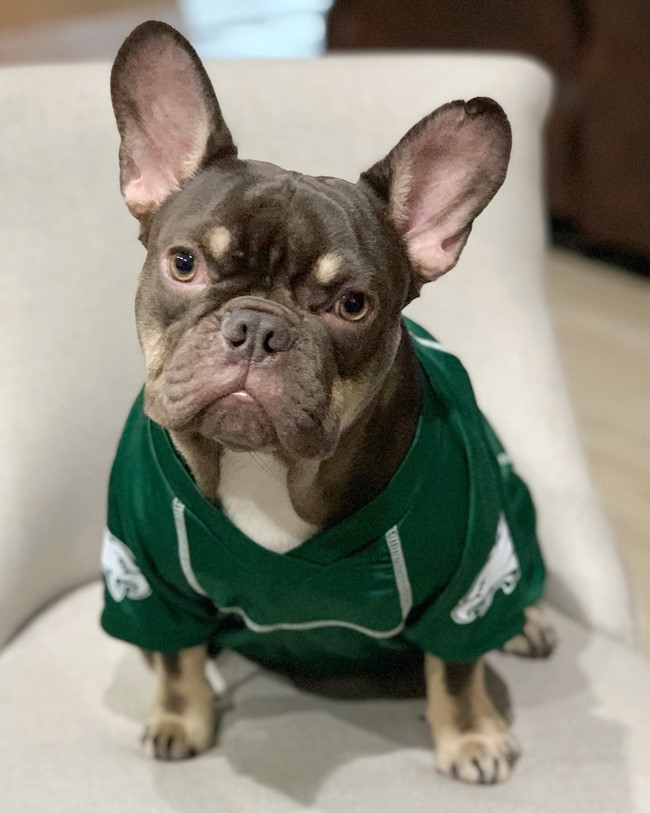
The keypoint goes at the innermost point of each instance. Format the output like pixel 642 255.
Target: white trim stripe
pixel 432 343
pixel 184 547
pixel 311 625
pixel 399 568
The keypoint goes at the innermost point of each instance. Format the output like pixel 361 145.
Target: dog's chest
pixel 254 495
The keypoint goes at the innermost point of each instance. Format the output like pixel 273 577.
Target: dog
pixel 306 477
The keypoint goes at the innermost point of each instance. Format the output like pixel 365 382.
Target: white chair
pixel 72 700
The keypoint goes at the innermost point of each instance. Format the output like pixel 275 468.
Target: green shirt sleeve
pixel 143 608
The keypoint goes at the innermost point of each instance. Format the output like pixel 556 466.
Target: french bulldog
pixel 306 477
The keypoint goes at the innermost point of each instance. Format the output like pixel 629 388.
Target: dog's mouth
pixel 246 419
pixel 238 421
pixel 282 404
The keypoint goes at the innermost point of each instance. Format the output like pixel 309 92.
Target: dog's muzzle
pixel 257 329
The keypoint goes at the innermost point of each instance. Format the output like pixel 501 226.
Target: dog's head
pixel 269 304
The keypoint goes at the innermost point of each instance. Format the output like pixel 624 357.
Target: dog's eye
pixel 183 265
pixel 352 307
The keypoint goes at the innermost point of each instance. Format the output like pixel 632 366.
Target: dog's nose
pixel 255 334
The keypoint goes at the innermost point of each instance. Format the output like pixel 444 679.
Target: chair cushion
pixel 72 702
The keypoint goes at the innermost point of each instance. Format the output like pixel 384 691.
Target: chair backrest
pixel 68 355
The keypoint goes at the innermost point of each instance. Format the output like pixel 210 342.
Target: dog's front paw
pixel 172 736
pixel 480 758
pixel 536 640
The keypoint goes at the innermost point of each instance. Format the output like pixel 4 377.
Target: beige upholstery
pixel 71 710
pixel 70 698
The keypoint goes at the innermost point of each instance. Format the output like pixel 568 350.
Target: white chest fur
pixel 254 496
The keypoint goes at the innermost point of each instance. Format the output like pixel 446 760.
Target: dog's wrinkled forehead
pixel 257 219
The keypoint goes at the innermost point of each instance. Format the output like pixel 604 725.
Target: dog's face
pixel 268 307
pixel 269 304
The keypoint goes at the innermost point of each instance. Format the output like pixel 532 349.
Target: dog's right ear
pixel 167 115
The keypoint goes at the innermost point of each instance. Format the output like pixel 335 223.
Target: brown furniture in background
pixel 599 133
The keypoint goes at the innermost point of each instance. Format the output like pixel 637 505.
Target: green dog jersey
pixel 443 560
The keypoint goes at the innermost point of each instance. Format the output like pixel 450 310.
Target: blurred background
pixel 598 136
pixel 597 166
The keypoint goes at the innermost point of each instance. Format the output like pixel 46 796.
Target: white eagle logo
pixel 123 577
pixel 500 572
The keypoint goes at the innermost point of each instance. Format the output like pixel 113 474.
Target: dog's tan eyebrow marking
pixel 218 240
pixel 327 267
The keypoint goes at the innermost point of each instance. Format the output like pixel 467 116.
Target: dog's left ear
pixel 440 176
pixel 167 114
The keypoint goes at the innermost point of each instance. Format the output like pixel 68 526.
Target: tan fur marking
pixel 472 740
pixel 326 268
pixel 182 721
pixel 348 396
pixel 537 639
pixel 218 241
pixel 154 353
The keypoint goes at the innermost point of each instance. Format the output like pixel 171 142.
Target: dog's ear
pixel 167 115
pixel 440 176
